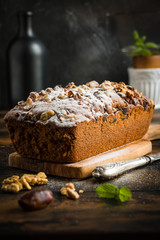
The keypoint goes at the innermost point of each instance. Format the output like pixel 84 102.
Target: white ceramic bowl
pixel 146 81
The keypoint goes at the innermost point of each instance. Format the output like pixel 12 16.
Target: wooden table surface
pixel 89 215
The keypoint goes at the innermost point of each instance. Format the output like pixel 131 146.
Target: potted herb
pixel 144 75
pixel 144 54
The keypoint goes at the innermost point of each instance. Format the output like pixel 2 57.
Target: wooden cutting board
pixel 153 132
pixel 84 168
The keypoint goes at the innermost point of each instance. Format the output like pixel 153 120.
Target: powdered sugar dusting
pixel 65 107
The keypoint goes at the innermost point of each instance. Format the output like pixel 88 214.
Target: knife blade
pixel 111 170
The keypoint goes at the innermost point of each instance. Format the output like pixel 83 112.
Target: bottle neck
pixel 25 24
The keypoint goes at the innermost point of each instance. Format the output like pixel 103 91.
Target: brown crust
pixel 72 144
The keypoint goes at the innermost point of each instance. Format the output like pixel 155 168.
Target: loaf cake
pixel 69 124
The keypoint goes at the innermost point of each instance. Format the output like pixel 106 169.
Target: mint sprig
pixel 143 48
pixel 111 191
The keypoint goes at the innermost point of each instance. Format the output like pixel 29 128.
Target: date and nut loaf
pixel 76 122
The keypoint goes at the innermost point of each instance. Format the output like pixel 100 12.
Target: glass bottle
pixel 26 61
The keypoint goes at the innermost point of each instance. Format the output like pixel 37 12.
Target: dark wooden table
pixel 89 215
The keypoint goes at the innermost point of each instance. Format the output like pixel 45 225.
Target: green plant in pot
pixel 145 73
pixel 145 54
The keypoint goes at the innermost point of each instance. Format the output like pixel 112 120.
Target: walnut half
pixel 12 184
pixel 69 191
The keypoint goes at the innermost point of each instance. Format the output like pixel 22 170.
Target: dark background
pixel 84 38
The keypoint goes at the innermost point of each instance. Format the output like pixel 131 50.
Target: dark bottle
pixel 26 61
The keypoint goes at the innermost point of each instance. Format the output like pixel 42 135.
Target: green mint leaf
pixel 146 52
pixel 135 51
pixel 124 194
pixel 143 39
pixel 139 43
pixel 107 191
pixel 151 45
pixel 135 35
pixel 111 191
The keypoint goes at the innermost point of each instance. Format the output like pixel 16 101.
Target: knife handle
pixel 111 170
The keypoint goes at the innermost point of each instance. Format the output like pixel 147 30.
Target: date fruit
pixel 35 199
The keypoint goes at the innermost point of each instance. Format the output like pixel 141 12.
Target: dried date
pixel 36 199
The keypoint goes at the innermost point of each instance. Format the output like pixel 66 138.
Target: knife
pixel 111 170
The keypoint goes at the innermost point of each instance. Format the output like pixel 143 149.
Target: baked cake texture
pixel 76 122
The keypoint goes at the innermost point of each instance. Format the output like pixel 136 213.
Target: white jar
pixel 146 81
